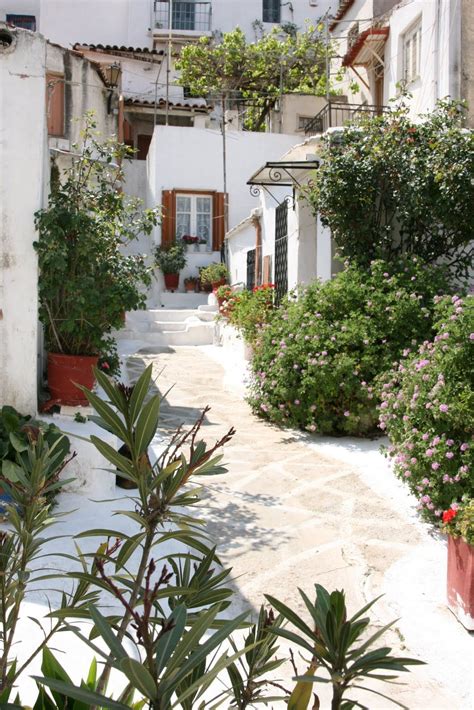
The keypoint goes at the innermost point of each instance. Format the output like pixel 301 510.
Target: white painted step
pixel 170 314
pixel 183 300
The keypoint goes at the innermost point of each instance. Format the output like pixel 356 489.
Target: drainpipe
pixel 436 54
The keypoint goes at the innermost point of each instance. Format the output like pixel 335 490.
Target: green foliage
pixel 17 433
pixel 459 521
pixel 170 258
pixel 158 615
pixel 86 282
pixel 427 411
pixel 249 311
pixel 316 362
pixel 28 517
pixel 388 186
pixel 338 647
pixel 255 72
pixel 213 273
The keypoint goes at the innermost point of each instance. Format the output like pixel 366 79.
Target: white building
pixel 143 23
pixel 42 88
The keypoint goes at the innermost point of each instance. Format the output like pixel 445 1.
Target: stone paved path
pixel 285 516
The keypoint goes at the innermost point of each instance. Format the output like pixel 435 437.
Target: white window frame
pixel 412 52
pixel 194 198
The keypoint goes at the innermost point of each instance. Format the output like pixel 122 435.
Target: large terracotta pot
pixel 461 580
pixel 66 370
pixel 171 281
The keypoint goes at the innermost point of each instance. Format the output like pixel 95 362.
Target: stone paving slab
pixel 286 516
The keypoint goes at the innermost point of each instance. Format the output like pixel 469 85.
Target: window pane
pixel 183 15
pixel 203 226
pixel 271 11
pixel 183 224
pixel 203 204
pixel 183 204
pixel 27 22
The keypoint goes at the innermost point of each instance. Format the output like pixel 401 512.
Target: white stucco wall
pixel 128 22
pixel 191 158
pixel 240 240
pixel 22 155
pixel 440 52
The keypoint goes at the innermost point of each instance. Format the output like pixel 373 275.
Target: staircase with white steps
pixel 183 319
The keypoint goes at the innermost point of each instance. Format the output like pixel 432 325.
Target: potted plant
pixel 86 282
pixel 190 243
pixel 214 274
pixel 202 244
pixel 190 283
pixel 170 259
pixel 458 523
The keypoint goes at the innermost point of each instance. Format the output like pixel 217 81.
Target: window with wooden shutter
pixel 55 104
pixel 198 213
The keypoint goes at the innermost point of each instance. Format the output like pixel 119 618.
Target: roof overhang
pixel 368 48
pixel 283 174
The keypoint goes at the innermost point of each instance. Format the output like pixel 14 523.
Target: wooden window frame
pixel 168 226
pixel 412 52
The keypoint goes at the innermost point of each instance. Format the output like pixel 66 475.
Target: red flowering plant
pixel 226 299
pixel 188 239
pixel 251 312
pixel 458 520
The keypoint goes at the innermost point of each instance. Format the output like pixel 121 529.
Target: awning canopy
pixel 368 48
pixel 283 174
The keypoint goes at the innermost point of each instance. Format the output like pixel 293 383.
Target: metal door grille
pixel 251 269
pixel 281 252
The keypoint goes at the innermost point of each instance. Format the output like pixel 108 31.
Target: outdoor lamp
pixel 112 76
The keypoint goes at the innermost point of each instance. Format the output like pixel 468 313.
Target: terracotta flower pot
pixel 216 284
pixel 171 281
pixel 65 371
pixel 461 580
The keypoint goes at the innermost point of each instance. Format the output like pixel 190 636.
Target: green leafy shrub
pixel 427 411
pixel 86 282
pixel 170 258
pixel 213 273
pixel 318 359
pixel 249 311
pixel 388 186
pixel 17 432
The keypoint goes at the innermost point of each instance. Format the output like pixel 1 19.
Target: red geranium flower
pixel 448 515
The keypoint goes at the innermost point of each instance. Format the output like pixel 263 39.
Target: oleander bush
pixel 427 410
pixel 318 359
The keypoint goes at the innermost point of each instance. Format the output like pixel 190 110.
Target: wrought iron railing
pixel 251 269
pixel 185 15
pixel 338 114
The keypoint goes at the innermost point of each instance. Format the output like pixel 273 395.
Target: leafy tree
pixel 388 185
pixel 256 72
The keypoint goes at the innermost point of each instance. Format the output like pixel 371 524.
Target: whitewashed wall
pixel 192 159
pixel 22 169
pixel 440 52
pixel 128 22
pixel 240 240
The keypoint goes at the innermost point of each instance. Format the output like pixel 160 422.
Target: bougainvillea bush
pixel 427 410
pixel 317 361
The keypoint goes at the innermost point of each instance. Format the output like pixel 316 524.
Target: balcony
pixel 187 17
pixel 339 114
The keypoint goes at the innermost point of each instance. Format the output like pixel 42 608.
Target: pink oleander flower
pixel 464 447
pixel 449 455
pixel 435 465
pixel 443 408
pixel 429 453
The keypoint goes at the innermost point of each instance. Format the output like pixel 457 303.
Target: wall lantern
pixel 112 76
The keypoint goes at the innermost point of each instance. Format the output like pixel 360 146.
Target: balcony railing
pixel 186 15
pixel 335 115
